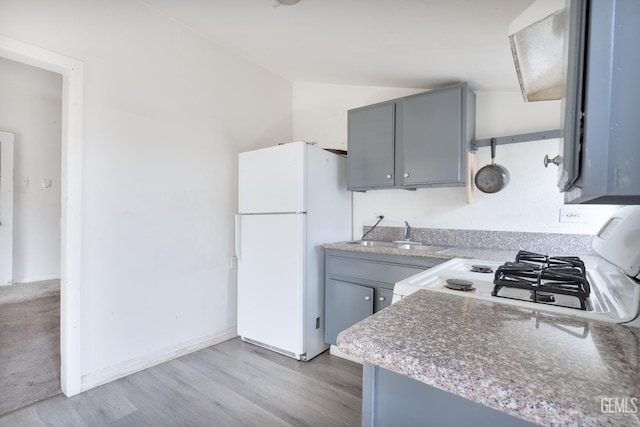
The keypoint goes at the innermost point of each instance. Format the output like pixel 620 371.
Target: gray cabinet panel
pixel 602 99
pixel 383 298
pixel 368 270
pixel 416 141
pixel 371 133
pixel 402 260
pixel 347 304
pixel 391 399
pixel 358 284
pixel 430 137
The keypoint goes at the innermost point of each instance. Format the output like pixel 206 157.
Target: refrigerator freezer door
pixel 272 180
pixel 271 271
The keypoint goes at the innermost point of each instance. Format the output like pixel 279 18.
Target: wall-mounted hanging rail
pixel 535 136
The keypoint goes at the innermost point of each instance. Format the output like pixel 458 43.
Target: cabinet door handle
pixel 389 176
pixel 367 298
pixel 382 299
pixel 407 175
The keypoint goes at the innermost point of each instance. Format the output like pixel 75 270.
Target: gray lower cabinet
pixel 349 303
pixel 358 284
pixel 416 141
pixel 391 399
pixel 384 298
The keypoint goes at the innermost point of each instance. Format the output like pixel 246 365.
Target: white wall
pixel 531 202
pixel 31 107
pixel 165 114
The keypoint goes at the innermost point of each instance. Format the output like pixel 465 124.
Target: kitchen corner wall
pixel 165 114
pixel 531 201
pixel 31 108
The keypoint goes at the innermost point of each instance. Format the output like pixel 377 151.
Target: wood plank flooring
pixel 230 384
pixel 29 343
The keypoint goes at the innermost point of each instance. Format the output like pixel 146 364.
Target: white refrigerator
pixel 292 198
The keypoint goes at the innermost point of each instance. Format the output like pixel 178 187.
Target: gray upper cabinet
pixel 430 143
pixel 371 142
pixel 416 141
pixel 600 149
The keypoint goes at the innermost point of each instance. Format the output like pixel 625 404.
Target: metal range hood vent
pixel 537 46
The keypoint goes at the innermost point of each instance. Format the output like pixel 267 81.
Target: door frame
pixel 71 195
pixel 6 206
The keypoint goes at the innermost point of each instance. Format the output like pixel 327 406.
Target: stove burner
pixel 459 285
pixel 481 269
pixel 546 297
pixel 550 280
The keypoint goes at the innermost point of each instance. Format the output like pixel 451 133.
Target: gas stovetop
pixel 558 281
pixel 592 289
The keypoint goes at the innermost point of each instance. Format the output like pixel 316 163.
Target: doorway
pixel 31 110
pixel 71 194
pixel 31 107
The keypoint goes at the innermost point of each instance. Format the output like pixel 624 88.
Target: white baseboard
pixel 138 364
pixel 335 351
pixel 36 279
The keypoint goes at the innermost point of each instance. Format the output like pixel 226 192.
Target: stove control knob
pixel 556 160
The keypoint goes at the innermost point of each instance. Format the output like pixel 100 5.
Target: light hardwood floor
pixel 29 343
pixel 230 384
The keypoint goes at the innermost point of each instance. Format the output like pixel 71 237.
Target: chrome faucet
pixel 407 231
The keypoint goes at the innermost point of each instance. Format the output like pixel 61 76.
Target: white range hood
pixel 537 46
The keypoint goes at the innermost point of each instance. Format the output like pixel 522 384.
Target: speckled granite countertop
pixel 449 253
pixel 551 370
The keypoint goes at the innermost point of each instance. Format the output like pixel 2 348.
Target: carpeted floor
pixel 29 343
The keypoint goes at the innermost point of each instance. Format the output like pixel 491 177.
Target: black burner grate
pixel 545 278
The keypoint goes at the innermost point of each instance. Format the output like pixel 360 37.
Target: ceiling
pixel 395 43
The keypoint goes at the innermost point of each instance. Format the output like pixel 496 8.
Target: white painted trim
pixel 38 279
pixel 138 364
pixel 71 194
pixel 6 207
pixel 335 351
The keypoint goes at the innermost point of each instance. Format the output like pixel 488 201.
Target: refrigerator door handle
pixel 237 243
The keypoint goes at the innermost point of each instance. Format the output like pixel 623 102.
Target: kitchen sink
pixel 413 246
pixel 372 243
pixel 420 247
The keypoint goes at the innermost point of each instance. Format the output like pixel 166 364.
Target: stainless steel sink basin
pixel 413 246
pixel 372 243
pixel 419 247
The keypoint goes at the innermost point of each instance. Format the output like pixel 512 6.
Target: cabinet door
pixel 383 298
pixel 371 146
pixel 346 304
pixel 429 138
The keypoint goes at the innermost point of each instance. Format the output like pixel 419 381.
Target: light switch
pixel 46 182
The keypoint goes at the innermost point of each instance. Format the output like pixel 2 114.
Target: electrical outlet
pixel 571 214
